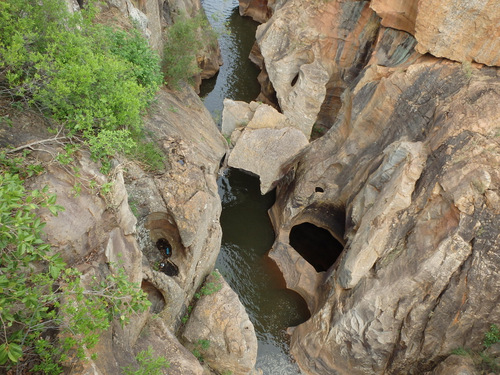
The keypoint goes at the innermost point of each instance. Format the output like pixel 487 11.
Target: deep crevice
pixel 316 245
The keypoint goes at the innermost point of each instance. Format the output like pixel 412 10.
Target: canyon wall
pixel 405 181
pixel 118 220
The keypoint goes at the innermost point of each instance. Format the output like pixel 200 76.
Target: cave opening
pixel 154 296
pixel 316 245
pixel 295 79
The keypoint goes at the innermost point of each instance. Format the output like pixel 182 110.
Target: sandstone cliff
pixel 103 228
pixel 388 224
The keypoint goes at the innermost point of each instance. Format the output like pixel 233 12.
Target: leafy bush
pixel 492 336
pixel 45 312
pixel 183 43
pixel 148 365
pixel 90 77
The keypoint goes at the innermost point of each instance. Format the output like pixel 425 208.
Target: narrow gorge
pixel 330 205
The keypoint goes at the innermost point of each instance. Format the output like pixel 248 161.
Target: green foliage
pixel 150 155
pixel 183 43
pixel 148 365
pixel 185 318
pixel 97 80
pixel 492 336
pixel 39 294
pixel 461 351
pixel 200 347
pixel 210 287
pixel 482 358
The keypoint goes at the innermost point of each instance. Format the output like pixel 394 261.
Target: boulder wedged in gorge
pixel 263 151
pixel 263 140
pixel 407 181
pixel 315 49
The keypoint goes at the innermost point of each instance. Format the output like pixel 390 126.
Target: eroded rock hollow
pixel 387 225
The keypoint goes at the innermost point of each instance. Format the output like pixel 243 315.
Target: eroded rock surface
pixel 257 9
pixel 316 55
pixel 460 30
pixel 412 162
pixel 220 330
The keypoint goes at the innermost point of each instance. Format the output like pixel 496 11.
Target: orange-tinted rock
pixel 397 14
pixel 460 30
pixel 257 9
pixel 412 160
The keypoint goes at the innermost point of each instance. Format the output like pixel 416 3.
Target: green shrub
pixel 39 294
pixel 183 43
pixel 148 365
pixel 200 347
pixel 92 78
pixel 492 336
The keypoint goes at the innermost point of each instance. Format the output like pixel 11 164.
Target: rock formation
pixel 220 331
pixel 263 140
pixel 404 184
pixel 325 47
pixel 461 30
pixel 97 232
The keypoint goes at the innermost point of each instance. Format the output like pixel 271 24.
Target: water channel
pixel 247 230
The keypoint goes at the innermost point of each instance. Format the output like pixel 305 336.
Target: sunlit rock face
pixel 313 50
pixel 459 30
pixel 406 180
pixel 412 160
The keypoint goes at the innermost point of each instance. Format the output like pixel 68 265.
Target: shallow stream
pixel 247 230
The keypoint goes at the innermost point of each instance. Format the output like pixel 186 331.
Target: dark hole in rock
pixel 319 190
pixel 154 296
pixel 295 79
pixel 316 245
pixel 165 248
pixel 169 268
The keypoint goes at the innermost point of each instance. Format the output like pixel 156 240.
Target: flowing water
pixel 247 230
pixel 237 78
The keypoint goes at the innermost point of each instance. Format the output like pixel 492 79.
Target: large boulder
pixel 263 140
pixel 220 331
pixel 263 151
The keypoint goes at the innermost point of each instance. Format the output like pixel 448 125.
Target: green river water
pixel 247 230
